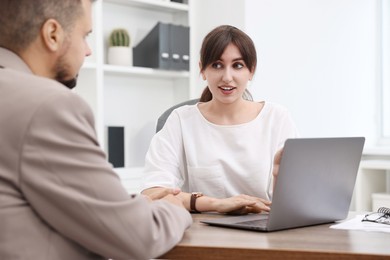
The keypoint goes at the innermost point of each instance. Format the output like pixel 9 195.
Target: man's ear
pixel 52 35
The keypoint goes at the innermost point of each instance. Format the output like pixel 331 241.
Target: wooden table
pixel 202 241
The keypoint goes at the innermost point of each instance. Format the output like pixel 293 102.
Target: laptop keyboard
pixel 257 222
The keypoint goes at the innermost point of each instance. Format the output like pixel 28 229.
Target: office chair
pixel 161 120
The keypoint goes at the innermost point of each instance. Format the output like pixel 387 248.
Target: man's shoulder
pixel 22 81
pixel 38 93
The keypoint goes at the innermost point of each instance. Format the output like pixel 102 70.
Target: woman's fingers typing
pixel 243 204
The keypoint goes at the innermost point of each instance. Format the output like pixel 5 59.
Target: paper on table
pixel 357 224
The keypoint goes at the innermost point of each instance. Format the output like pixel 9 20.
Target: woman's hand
pixel 275 168
pixel 242 204
pixel 167 194
pixel 160 192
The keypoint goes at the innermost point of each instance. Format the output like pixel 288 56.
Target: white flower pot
pixel 120 55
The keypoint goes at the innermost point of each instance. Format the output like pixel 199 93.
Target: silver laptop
pixel 315 185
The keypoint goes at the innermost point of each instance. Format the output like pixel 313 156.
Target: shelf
pixel 158 5
pixel 144 72
pixel 129 172
pixel 130 178
pixel 112 89
pixel 377 150
pixel 375 164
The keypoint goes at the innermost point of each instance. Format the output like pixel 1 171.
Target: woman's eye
pixel 217 65
pixel 238 65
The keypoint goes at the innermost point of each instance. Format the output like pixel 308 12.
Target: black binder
pixel 166 47
pixel 180 43
pixel 154 50
pixel 116 146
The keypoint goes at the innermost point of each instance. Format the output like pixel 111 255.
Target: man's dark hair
pixel 21 20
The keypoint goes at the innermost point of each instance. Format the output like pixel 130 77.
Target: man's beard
pixel 71 83
pixel 61 75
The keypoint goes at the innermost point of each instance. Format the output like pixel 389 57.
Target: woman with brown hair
pixel 220 152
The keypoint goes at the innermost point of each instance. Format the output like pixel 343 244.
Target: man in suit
pixel 59 197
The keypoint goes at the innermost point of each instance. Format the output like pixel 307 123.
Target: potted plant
pixel 119 51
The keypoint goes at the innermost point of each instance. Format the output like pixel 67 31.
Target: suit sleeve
pixel 66 178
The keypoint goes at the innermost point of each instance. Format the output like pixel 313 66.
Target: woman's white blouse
pixel 219 160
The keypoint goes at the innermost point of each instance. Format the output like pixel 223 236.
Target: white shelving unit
pixel 144 72
pixel 132 97
pixel 372 187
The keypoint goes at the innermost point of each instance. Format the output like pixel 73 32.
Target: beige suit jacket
pixel 59 197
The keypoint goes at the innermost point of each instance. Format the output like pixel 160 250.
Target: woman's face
pixel 228 77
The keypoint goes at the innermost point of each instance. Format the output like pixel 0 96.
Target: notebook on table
pixel 315 185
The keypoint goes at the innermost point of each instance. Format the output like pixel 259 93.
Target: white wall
pixel 205 15
pixel 318 58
